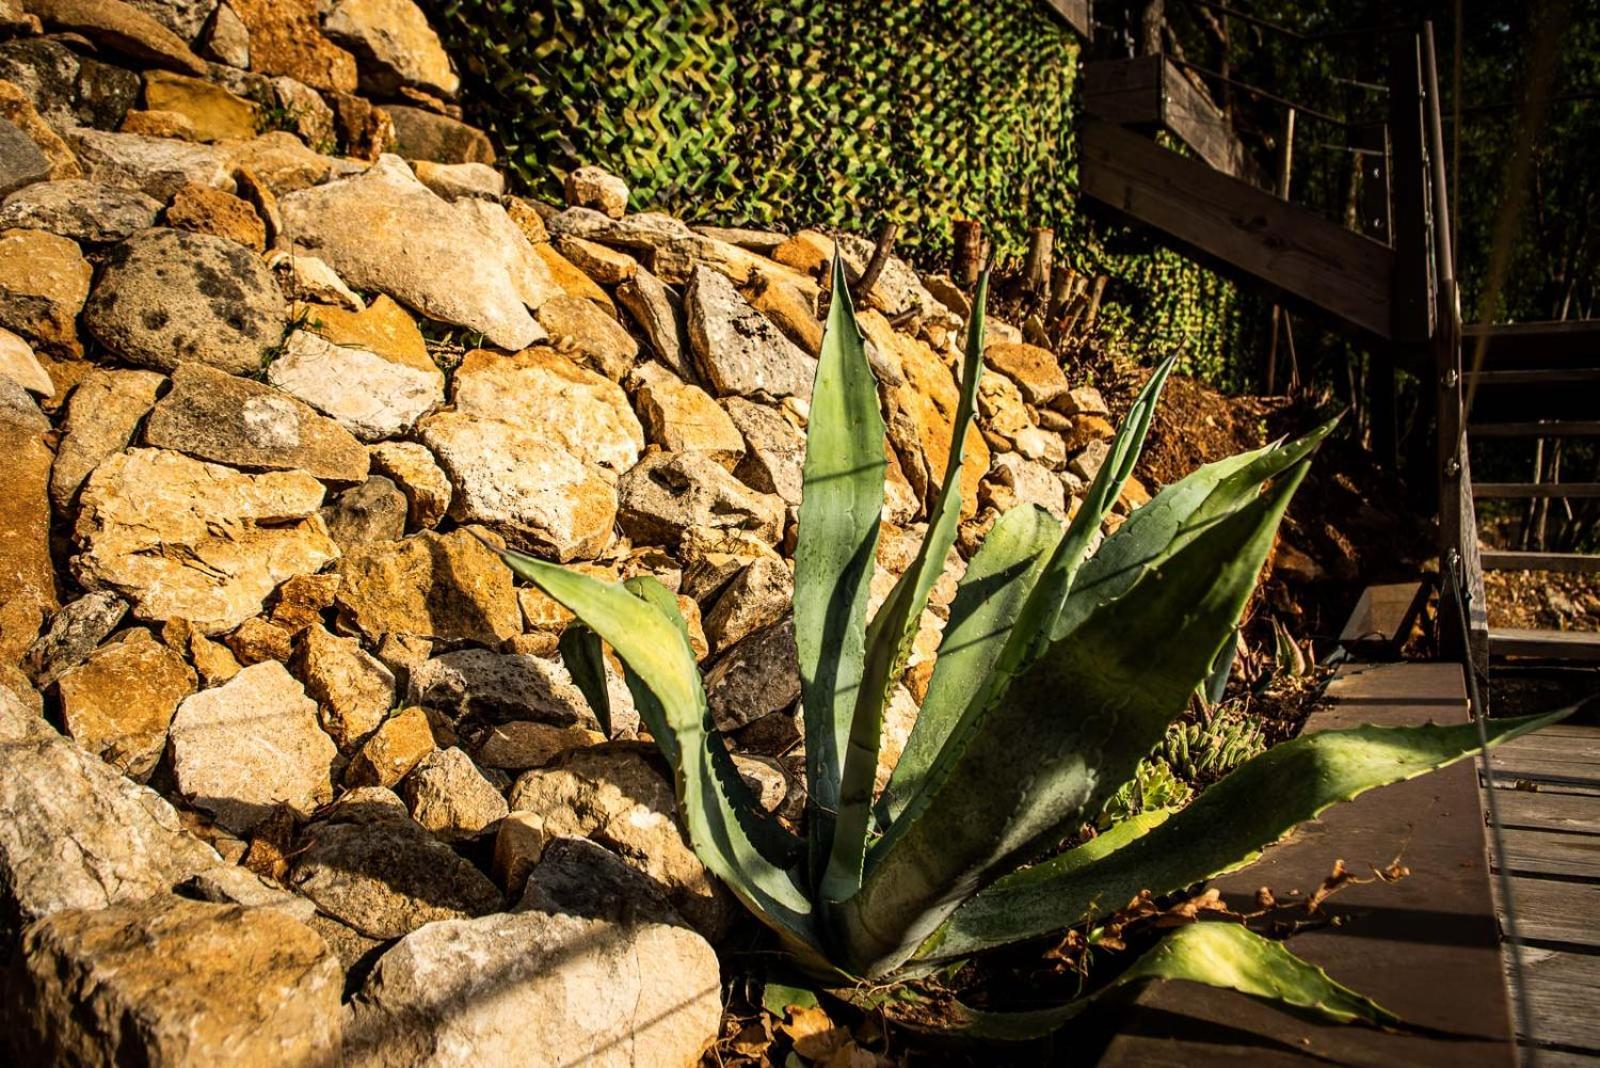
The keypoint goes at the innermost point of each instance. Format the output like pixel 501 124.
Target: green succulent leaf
pixel 894 628
pixel 1225 828
pixel 1217 954
pixel 989 597
pixel 835 554
pixel 643 626
pixel 583 654
pixel 1174 517
pixel 1085 713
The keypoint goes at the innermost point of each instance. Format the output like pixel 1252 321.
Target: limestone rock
pixel 598 261
pixel 118 702
pixel 147 123
pixel 423 134
pixel 668 494
pixel 759 596
pixel 737 348
pixel 120 28
pixel 170 981
pixel 793 309
pixel 281 163
pixel 213 661
pixel 226 39
pixel 17 109
pixel 249 745
pixel 27 576
pixel 501 686
pixel 464 992
pixel 374 511
pixel 285 38
pixel 44 281
pixel 74 632
pixel 18 363
pixel 183 17
pixel 257 640
pixel 1085 400
pixel 155 166
pixel 167 296
pixel 125 842
pixel 21 161
pixel 200 209
pixel 460 263
pixel 446 586
pixel 389 877
pixel 1014 481
pixel 520 744
pixel 616 795
pixel 586 414
pixel 301 601
pixel 353 689
pixel 681 417
pixel 371 394
pixel 1087 463
pixel 394 46
pixel 756 678
pixel 419 476
pixel 215 416
pixel 519 482
pixel 102 416
pixel 594 187
pixel 90 213
pixel 215 113
pixel 307 278
pixel 659 313
pixel 66 87
pixel 775 459
pixel 921 414
pixel 1034 370
pixel 449 796
pixel 182 538
pixel 594 338
pixel 396 747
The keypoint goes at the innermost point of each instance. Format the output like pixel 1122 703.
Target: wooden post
pixel 1041 250
pixel 1285 173
pixel 1063 283
pixel 968 259
pixel 1150 23
pixel 1093 311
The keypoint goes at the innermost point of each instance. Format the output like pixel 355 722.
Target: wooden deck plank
pixel 1565 750
pixel 1294 253
pixel 1550 428
pixel 1557 911
pixel 1570 813
pixel 1541 377
pixel 1550 853
pixel 1545 644
pixel 1392 942
pixel 1508 560
pixel 1532 343
pixel 1563 992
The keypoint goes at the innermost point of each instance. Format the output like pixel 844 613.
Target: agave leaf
pixel 1217 954
pixel 582 653
pixel 723 826
pixel 1084 715
pixel 1224 829
pixel 998 580
pixel 893 630
pixel 835 553
pixel 1174 517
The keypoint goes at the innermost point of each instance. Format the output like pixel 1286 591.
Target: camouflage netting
pixel 794 113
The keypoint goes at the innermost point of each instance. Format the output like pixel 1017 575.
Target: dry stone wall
pixel 290 770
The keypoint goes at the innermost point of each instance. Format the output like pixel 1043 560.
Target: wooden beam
pixel 1545 644
pixel 1524 490
pixel 1076 14
pixel 1506 560
pixel 1152 92
pixel 1553 428
pixel 1544 376
pixel 1537 342
pixel 1285 249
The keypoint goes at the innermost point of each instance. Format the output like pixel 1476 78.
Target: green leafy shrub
pixel 1056 677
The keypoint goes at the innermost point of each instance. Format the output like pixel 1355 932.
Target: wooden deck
pixel 1547 792
pixel 1426 946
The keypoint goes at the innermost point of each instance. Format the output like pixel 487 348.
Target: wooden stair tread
pixel 1514 560
pixel 1553 428
pixel 1536 489
pixel 1545 644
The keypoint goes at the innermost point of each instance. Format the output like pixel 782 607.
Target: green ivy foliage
pixel 791 113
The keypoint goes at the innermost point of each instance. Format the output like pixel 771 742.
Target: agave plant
pixel 1059 671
